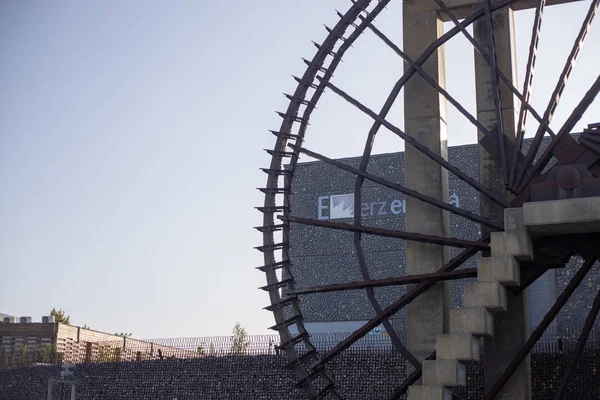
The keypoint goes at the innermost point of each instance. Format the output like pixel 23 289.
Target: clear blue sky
pixel 131 134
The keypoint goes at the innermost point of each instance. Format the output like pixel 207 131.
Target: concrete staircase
pixel 475 319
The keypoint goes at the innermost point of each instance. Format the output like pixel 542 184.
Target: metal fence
pixel 254 368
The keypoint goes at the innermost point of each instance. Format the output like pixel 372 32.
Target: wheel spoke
pixel 428 78
pixel 398 281
pixel 402 189
pixel 423 149
pixel 565 130
pixel 396 306
pixel 560 87
pixel 357 239
pixel 516 175
pixel 359 29
pixel 501 74
pixel 527 86
pixel 359 181
pixel 585 332
pixel 407 280
pixel 377 307
pixel 305 83
pixel 391 233
pixel 538 332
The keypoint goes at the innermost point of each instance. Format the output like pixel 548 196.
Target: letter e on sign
pixel 396 207
pixel 364 209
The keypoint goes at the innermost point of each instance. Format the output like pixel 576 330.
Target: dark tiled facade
pixel 323 256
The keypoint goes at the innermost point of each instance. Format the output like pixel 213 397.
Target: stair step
pixel 513 219
pixel 457 346
pixel 417 392
pixel 477 321
pixel 448 373
pixel 512 243
pixel 503 269
pixel 490 295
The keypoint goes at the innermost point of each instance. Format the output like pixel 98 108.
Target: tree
pixel 59 316
pixel 211 350
pixel 240 345
pixel 51 355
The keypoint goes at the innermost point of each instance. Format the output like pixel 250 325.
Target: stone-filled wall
pixel 322 256
pixel 260 377
pixel 358 375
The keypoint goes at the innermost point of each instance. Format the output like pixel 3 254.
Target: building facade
pixel 322 256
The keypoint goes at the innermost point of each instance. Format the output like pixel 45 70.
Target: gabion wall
pixel 360 373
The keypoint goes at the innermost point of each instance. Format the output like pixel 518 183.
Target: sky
pixel 132 133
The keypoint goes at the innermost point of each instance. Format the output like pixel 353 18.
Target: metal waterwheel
pixel 554 162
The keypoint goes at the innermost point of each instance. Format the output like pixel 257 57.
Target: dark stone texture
pixel 211 378
pixel 359 374
pixel 322 256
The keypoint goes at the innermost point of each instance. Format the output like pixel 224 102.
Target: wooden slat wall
pixel 24 343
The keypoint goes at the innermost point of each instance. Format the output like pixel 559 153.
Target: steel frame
pixel 523 173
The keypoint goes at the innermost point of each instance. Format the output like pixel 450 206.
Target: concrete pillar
pixel 511 328
pixel 425 120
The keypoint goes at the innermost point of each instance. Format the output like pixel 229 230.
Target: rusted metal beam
pixel 402 189
pixel 396 306
pixel 461 26
pixel 538 332
pixel 501 74
pixel 428 79
pixel 395 339
pixel 565 130
pixel 357 237
pixel 560 87
pixel 305 83
pixel 336 32
pixel 409 279
pixel 422 148
pixel 527 86
pixel 398 281
pixel 585 332
pixel 391 233
pixel 302 130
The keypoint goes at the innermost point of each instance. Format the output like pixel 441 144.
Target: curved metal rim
pixel 289 118
pixel 284 136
